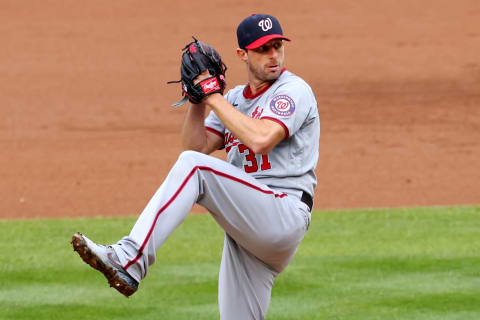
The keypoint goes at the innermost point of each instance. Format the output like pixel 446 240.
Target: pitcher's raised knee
pixel 192 157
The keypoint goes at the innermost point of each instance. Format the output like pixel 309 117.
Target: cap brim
pixel 261 41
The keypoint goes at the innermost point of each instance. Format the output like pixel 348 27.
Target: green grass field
pixel 418 263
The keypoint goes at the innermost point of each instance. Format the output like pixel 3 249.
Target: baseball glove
pixel 196 58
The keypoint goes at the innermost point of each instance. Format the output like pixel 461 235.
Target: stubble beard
pixel 266 76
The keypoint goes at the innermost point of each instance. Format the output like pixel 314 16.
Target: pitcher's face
pixel 266 62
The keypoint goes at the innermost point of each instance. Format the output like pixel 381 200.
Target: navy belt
pixel 307 199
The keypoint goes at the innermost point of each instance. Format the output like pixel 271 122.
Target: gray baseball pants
pixel 263 229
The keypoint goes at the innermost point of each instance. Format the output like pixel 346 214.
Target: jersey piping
pixel 175 195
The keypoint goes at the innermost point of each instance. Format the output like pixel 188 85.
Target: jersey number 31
pixel 252 165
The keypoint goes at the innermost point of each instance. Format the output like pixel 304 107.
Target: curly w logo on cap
pixel 257 29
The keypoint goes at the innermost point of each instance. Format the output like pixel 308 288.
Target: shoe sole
pixel 90 258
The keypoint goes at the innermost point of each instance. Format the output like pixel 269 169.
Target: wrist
pixel 213 99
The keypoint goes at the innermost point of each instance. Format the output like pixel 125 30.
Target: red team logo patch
pixel 282 105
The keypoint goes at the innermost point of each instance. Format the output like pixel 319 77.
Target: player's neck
pixel 258 86
pixel 249 94
pixel 254 89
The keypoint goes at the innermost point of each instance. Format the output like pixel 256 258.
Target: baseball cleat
pixel 104 259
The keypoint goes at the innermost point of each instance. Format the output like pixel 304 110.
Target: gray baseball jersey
pixel 290 102
pixel 256 199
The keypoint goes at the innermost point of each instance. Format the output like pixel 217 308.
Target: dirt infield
pixel 86 128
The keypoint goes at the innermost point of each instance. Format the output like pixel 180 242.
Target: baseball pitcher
pixel 261 196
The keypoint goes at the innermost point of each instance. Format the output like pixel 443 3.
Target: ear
pixel 242 54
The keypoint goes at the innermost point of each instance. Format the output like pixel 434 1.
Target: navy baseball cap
pixel 257 29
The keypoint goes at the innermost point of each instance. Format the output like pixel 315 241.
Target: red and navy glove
pixel 197 58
